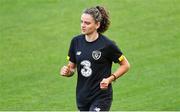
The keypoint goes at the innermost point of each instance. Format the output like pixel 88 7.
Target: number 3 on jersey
pixel 86 70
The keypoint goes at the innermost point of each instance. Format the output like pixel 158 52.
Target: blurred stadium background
pixel 35 37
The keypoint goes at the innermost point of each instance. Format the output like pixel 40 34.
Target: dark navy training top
pixel 94 62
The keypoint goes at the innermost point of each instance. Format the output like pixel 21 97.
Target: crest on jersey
pixel 96 54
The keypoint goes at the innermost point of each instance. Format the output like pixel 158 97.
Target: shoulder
pixel 78 37
pixel 107 41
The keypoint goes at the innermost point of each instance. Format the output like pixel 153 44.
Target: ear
pixel 97 25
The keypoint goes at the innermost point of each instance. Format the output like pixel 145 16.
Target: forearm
pixel 122 69
pixel 118 73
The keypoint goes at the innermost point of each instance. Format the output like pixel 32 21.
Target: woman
pixel 93 53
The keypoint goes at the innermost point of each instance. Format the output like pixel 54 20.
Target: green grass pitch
pixel 34 41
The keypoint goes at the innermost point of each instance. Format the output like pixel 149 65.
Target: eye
pixel 88 23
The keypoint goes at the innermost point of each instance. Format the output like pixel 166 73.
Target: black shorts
pixel 97 105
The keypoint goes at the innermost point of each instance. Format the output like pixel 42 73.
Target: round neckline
pixel 99 35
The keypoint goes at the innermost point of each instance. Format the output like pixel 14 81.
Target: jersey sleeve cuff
pixel 70 59
pixel 121 58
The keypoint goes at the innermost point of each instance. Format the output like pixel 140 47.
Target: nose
pixel 82 25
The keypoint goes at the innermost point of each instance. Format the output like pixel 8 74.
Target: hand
pixel 65 71
pixel 104 84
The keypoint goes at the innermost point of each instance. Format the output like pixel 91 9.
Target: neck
pixel 92 37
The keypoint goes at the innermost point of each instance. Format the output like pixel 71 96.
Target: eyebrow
pixel 85 22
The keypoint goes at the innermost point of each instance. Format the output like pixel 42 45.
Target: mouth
pixel 83 30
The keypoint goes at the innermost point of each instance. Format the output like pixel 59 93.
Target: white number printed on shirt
pixel 86 71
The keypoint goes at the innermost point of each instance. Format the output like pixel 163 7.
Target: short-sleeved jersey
pixel 94 62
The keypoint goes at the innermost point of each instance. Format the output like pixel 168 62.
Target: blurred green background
pixel 34 41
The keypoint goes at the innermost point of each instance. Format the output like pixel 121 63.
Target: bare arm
pixel 122 69
pixel 68 70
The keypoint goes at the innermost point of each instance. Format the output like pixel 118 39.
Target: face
pixel 88 24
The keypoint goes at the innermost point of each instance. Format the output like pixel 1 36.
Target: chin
pixel 83 33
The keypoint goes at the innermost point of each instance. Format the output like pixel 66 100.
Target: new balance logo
pixel 78 53
pixel 97 109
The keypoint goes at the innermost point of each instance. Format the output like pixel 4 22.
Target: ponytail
pixel 105 22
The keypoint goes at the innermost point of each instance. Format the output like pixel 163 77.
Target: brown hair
pixel 100 14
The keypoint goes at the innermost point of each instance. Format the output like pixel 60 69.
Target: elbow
pixel 128 66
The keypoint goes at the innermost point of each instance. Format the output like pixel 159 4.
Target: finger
pixel 65 69
pixel 103 86
pixel 103 83
pixel 62 72
pixel 65 72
